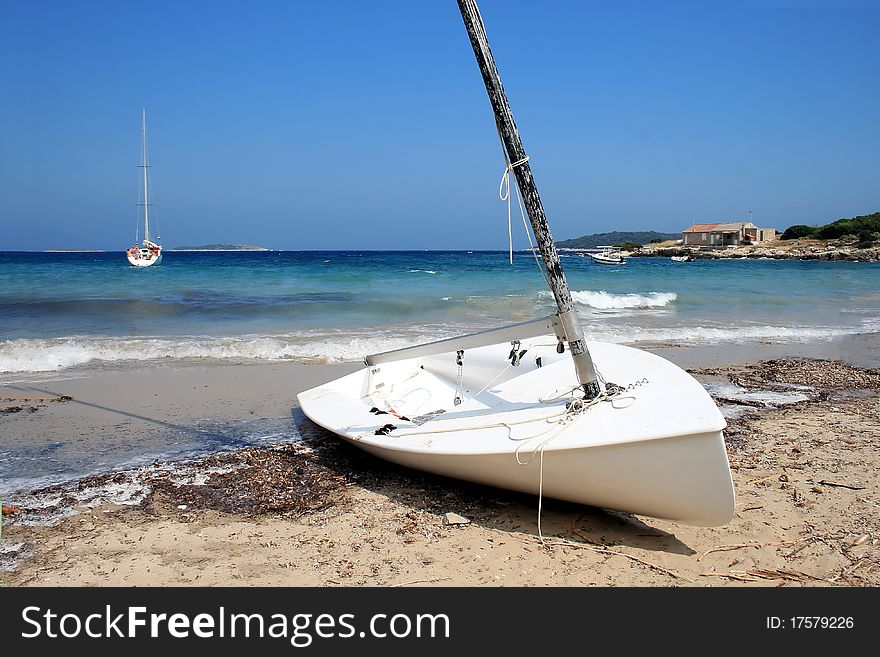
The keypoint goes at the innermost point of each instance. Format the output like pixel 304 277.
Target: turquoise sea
pixel 65 316
pixel 67 310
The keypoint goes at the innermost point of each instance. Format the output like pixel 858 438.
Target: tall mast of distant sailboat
pixel 144 167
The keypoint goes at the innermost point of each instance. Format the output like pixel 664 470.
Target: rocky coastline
pixel 798 249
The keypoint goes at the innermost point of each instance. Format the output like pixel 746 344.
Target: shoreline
pixel 102 417
pixel 807 509
pixel 859 347
pixel 795 249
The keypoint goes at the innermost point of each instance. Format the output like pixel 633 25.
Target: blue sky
pixel 347 125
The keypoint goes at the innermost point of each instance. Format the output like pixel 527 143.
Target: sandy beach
pixel 318 512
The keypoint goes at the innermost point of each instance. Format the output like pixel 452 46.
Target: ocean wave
pixel 47 355
pixel 703 335
pixel 602 300
pixel 424 271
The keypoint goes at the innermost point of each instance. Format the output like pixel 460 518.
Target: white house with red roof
pixel 733 234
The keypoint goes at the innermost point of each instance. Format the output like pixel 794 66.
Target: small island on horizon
pixel 221 247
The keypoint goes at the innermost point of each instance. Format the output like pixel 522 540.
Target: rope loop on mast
pixel 505 179
pixel 504 195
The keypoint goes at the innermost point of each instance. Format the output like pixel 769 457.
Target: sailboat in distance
pixel 147 253
pixel 536 407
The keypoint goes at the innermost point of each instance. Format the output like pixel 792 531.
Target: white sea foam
pixel 602 300
pixel 48 355
pixel 767 398
pixel 607 301
pixel 689 335
pixel 424 271
pixel 47 500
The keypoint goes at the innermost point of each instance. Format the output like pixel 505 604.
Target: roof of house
pixel 713 228
pixel 701 228
pixel 739 225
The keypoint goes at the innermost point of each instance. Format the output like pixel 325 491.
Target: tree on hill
pixel 862 228
pixel 798 231
pixel 616 237
pixel 864 224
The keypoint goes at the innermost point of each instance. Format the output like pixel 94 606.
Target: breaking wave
pixel 47 355
pixel 707 335
pixel 602 300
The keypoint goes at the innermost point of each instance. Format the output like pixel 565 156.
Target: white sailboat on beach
pixel 535 407
pixel 147 253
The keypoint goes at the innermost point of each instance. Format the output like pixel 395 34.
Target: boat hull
pixel 643 478
pixel 656 450
pixel 147 260
pixel 603 260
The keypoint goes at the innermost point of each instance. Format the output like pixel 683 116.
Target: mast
pixel 144 167
pixel 516 155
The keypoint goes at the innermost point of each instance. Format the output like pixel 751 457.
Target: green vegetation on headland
pixel 222 247
pixel 864 229
pixel 856 239
pixel 617 238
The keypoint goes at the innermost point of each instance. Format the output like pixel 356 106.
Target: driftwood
pixel 764 574
pixel 420 581
pixel 836 485
pixel 739 546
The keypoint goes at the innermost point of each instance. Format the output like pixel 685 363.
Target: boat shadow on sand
pixel 484 506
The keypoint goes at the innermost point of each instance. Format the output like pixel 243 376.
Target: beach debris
pixel 455 519
pixel 768 574
pixel 558 541
pixel 11 548
pixel 410 524
pixel 12 554
pixel 783 382
pixel 19 409
pixel 846 572
pixel 758 396
pixel 778 477
pixel 833 484
pixel 420 581
pixel 757 546
pixel 806 373
pixel 253 481
pixel 9 510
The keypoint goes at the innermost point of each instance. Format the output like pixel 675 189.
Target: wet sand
pixel 318 512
